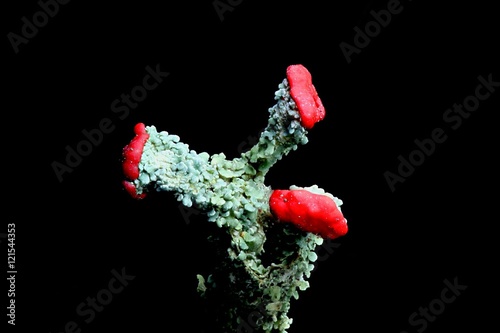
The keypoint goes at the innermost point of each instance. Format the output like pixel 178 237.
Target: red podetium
pixel 133 151
pixel 130 188
pixel 304 95
pixel 131 157
pixel 311 212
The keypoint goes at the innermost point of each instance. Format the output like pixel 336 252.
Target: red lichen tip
pixel 130 188
pixel 132 156
pixel 311 212
pixel 133 151
pixel 304 94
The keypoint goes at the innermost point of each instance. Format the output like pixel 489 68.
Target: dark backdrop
pixel 435 224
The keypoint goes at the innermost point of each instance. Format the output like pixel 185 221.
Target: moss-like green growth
pixel 262 264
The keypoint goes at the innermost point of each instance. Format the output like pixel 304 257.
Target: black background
pixel 401 245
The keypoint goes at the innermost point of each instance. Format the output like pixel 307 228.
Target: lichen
pixel 263 264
